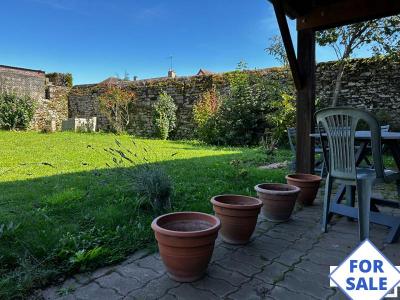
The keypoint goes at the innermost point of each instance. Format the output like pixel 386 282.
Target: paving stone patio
pixel 283 261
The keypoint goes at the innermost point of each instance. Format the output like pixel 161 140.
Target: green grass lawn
pixel 66 207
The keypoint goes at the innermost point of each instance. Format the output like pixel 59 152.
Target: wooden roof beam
pixel 287 41
pixel 342 13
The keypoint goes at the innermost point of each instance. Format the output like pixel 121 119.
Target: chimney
pixel 171 74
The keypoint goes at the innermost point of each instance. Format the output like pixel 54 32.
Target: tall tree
pixel 277 50
pixel 382 35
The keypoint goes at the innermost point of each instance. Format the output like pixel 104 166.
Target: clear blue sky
pixel 96 39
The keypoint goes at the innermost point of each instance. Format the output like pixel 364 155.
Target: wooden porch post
pixel 305 101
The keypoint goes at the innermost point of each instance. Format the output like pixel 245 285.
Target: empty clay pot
pixel 238 215
pixel 186 243
pixel 278 199
pixel 308 184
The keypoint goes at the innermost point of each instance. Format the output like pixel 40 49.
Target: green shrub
pixel 282 116
pixel 204 113
pixel 61 79
pixel 154 187
pixel 254 106
pixel 164 115
pixel 16 112
pixel 240 120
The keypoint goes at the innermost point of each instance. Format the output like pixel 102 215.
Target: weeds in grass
pixel 268 144
pixel 154 187
pixel 85 259
pixel 150 181
pixel 63 292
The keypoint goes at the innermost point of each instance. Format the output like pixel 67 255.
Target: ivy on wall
pixel 368 82
pixel 60 79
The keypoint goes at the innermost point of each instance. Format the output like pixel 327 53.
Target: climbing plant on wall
pixel 116 104
pixel 61 79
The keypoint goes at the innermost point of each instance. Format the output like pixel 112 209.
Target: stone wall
pixel 22 81
pixel 51 100
pixel 368 83
pixel 185 91
pixel 54 106
pixel 372 84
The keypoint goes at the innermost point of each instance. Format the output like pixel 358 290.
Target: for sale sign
pixel 366 274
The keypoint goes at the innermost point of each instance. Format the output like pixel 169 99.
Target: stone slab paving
pixel 283 261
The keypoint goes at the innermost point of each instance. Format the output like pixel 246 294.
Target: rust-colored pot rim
pixel 216 224
pixel 284 189
pixel 303 177
pixel 253 203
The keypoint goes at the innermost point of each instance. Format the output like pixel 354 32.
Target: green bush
pixel 61 79
pixel 282 116
pixel 16 112
pixel 154 187
pixel 164 115
pixel 240 121
pixel 254 106
pixel 204 113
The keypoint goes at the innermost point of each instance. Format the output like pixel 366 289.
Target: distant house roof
pixel 111 80
pixel 204 72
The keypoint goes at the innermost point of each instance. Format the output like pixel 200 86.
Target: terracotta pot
pixel 278 199
pixel 238 215
pixel 186 243
pixel 308 184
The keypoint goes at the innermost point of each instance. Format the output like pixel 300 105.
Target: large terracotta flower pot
pixel 278 199
pixel 186 243
pixel 238 215
pixel 308 184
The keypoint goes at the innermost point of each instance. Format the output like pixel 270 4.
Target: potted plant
pixel 238 215
pixel 278 199
pixel 308 184
pixel 186 243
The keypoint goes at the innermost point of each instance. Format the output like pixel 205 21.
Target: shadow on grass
pixel 67 223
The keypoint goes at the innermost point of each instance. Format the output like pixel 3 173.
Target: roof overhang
pixel 323 14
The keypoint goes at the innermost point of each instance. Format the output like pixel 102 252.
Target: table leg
pixel 350 197
pixel 394 234
pixel 395 149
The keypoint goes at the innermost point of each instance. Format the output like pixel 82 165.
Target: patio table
pixel 363 138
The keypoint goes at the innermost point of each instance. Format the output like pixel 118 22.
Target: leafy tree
pixel 126 76
pixel 115 104
pixel 383 35
pixel 277 50
pixel 242 65
pixel 165 115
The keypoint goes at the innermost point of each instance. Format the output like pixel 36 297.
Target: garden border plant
pixel 16 111
pixel 164 115
pixel 253 106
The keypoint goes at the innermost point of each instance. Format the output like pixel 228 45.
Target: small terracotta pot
pixel 308 184
pixel 278 199
pixel 186 243
pixel 238 215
